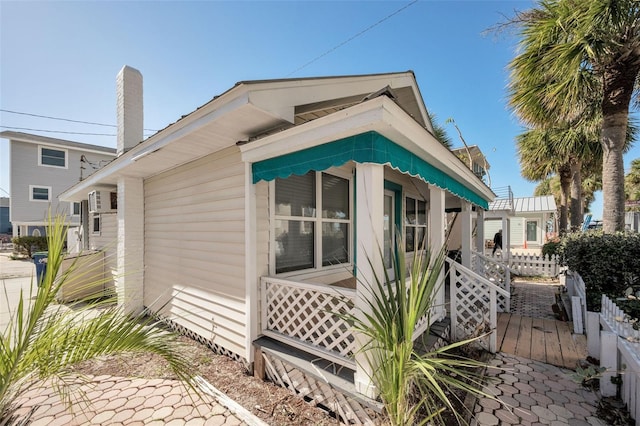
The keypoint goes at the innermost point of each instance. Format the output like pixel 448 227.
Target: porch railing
pixel 303 315
pixel 474 305
pixel 496 272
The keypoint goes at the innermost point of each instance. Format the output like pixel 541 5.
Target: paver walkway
pixel 532 393
pixel 526 391
pixel 126 401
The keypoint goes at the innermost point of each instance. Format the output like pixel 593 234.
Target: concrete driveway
pixel 15 276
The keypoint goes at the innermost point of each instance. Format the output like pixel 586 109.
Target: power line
pixel 64 119
pixel 353 37
pixel 58 131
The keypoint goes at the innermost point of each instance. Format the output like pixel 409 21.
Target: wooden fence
pixel 612 339
pixel 530 265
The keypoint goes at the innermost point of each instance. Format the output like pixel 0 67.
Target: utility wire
pixel 58 131
pixel 353 37
pixel 64 119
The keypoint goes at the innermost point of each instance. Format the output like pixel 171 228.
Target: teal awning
pixel 370 147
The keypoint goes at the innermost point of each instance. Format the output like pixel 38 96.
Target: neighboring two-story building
pixel 42 168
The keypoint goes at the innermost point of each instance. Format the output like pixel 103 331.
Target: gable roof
pixel 541 204
pixel 62 143
pixel 252 114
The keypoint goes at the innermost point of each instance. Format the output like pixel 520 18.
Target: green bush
pixel 608 263
pixel 28 245
pixel 551 248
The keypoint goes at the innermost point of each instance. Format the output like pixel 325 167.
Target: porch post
pixel 466 230
pixel 369 245
pixel 506 238
pixel 437 225
pixel 129 279
pixel 480 231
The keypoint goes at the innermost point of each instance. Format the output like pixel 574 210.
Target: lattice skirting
pixel 198 338
pixel 348 409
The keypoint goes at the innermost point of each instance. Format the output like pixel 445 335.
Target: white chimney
pixel 129 109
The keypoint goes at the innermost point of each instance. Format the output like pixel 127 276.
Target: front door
pixel 389 231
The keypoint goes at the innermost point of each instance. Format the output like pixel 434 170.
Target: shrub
pixel 551 247
pixel 608 263
pixel 28 245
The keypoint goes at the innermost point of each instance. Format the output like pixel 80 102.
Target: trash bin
pixel 40 259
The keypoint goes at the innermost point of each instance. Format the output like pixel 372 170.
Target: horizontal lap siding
pixel 106 240
pixel 194 247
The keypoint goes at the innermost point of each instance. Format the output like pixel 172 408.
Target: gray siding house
pixel 43 167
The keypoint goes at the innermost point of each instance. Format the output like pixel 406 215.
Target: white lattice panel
pixel 495 272
pixel 308 313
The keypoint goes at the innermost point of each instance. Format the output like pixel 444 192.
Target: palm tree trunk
pixel 618 82
pixel 575 208
pixel 565 184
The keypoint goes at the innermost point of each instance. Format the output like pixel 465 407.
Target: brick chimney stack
pixel 129 108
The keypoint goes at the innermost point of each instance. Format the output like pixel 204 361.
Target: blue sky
pixel 60 59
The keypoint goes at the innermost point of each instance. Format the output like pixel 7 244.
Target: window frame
pixel 526 230
pixel 36 200
pixel 415 226
pixel 94 218
pixel 318 220
pixel 72 209
pixel 66 157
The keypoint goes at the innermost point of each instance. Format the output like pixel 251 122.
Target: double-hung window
pixel 311 222
pixel 415 224
pixel 52 157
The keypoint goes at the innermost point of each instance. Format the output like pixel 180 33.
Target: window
pixel 532 230
pixel 311 222
pixel 415 224
pixel 75 209
pixel 52 157
pixel 39 193
pixel 96 224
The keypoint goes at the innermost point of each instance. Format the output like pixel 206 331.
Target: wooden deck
pixel 545 340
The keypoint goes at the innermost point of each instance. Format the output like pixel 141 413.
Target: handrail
pixel 482 279
pixel 493 290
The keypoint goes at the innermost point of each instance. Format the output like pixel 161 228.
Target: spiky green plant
pixel 44 339
pixel 415 388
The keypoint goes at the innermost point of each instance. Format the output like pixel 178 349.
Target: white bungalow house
pixel 251 219
pixel 532 222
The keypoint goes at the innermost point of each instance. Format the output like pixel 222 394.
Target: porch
pixel 308 347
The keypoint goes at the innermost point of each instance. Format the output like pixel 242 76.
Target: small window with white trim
pixel 415 224
pixel 52 157
pixel 96 224
pixel 39 193
pixel 311 222
pixel 75 209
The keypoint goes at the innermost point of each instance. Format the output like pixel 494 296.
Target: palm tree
pixel 439 131
pixel 544 152
pixel 570 50
pixel 44 340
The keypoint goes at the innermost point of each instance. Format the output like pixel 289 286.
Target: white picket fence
pixel 578 296
pixel 612 339
pixel 530 265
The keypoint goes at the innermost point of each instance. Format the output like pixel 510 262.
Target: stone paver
pixel 533 300
pixel 555 406
pixel 151 409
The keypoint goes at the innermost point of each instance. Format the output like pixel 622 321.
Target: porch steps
pixel 320 381
pixel 327 384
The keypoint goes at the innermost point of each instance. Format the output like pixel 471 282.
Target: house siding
pixel 194 248
pixel 106 241
pixel 25 171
